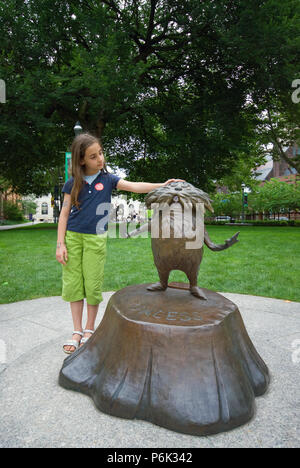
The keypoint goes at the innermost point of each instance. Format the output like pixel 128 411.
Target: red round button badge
pixel 99 186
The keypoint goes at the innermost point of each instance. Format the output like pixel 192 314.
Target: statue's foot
pixel 157 287
pixel 197 292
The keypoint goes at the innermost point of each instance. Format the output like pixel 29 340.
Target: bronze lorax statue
pixel 178 232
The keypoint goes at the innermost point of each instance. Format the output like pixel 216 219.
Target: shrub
pixel 12 211
pixel 216 223
pixel 273 222
pixel 260 222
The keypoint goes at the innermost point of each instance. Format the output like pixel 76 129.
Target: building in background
pixel 8 196
pixel 44 210
pixel 280 169
pixel 122 209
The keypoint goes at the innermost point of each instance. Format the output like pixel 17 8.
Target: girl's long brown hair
pixel 80 144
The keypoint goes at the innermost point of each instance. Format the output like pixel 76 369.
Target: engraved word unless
pixel 173 315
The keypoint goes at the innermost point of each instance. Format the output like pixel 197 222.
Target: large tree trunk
pixel 172 359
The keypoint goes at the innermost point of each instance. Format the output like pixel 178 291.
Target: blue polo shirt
pixel 95 202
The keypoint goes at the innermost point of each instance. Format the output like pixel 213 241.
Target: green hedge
pixel 12 211
pixel 267 222
pixel 274 222
pixel 216 223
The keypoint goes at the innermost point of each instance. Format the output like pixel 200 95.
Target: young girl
pixel 81 244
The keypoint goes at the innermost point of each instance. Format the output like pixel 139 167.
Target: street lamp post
pixel 243 202
pixel 77 128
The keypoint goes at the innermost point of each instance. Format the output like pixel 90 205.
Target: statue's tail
pixel 143 228
pixel 217 247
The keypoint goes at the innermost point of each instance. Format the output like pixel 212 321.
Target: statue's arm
pixel 218 247
pixel 143 228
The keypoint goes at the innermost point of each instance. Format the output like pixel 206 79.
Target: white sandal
pixel 85 338
pixel 74 343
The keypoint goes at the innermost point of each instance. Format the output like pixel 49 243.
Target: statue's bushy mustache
pixel 187 195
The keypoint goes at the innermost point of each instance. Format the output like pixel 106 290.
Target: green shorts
pixel 82 276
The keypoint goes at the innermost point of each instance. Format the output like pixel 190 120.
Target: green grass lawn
pixel 265 262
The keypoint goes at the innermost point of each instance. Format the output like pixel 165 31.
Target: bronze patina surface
pixel 178 232
pixel 162 355
pixel 170 359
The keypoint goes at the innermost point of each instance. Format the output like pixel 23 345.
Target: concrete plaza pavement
pixel 37 412
pixel 6 227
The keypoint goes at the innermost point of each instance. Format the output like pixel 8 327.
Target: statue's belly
pixel 178 229
pixel 172 254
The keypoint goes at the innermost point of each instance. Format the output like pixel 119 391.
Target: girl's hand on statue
pixel 173 180
pixel 62 254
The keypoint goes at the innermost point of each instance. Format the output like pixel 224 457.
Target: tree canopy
pixel 173 88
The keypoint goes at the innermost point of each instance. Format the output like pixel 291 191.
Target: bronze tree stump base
pixel 172 359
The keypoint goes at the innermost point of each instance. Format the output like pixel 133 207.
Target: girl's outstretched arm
pixel 142 187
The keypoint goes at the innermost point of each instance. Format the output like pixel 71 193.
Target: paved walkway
pixel 13 226
pixel 36 412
